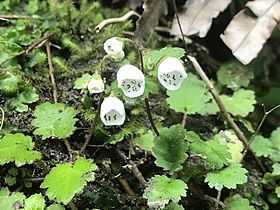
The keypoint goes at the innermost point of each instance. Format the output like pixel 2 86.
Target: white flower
pixel 112 111
pixel 131 80
pixel 171 73
pixel 96 85
pixel 114 48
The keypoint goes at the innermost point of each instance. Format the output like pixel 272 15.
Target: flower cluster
pixel 131 81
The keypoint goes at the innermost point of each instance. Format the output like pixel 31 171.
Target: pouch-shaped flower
pixel 131 80
pixel 112 111
pixel 171 73
pixel 96 85
pixel 114 48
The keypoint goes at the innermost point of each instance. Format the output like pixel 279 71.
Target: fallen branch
pixel 121 19
pixel 133 168
pixel 8 17
pixel 35 44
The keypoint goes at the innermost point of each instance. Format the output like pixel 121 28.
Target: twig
pixel 92 127
pixel 8 17
pixel 126 186
pixel 218 198
pixel 34 180
pixel 223 110
pixel 266 113
pixel 72 206
pixel 35 44
pixel 2 118
pixel 134 168
pixel 121 19
pixel 51 71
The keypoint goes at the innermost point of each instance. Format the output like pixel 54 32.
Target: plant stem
pixel 2 118
pixel 218 198
pixel 266 113
pixel 92 127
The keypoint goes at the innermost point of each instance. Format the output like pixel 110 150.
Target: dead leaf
pixel 198 16
pixel 246 35
pixel 153 10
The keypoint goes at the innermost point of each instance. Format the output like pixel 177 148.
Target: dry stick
pixel 8 17
pixel 55 96
pixel 123 182
pixel 184 120
pixel 92 127
pixel 214 93
pixel 35 44
pixel 134 168
pixel 2 118
pixel 121 19
pixel 266 113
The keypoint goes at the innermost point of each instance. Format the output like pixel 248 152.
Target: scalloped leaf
pixel 170 148
pixel 236 202
pixel 162 189
pixel 35 202
pixel 216 153
pixel 241 103
pixel 54 120
pixel 18 148
pixel 9 201
pixel 66 180
pixel 227 177
pixel 173 206
pixel 55 207
pixel 192 97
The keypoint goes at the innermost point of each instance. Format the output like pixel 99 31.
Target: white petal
pixel 131 80
pixel 112 111
pixel 95 86
pixel 171 73
pixel 114 48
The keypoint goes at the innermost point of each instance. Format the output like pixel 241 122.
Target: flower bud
pixel 171 73
pixel 112 111
pixel 114 48
pixel 96 85
pixel 131 80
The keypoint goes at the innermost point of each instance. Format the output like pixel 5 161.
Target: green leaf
pixel 55 207
pixel 19 148
pixel 227 177
pixel 268 147
pixel 35 202
pixel 20 101
pixel 235 146
pixel 236 202
pixel 235 75
pixel 170 148
pixel 32 6
pixel 54 120
pixel 191 98
pixel 216 153
pixel 277 191
pixel 82 82
pixel 241 103
pixel 9 82
pixel 173 206
pixel 162 189
pixel 66 180
pixel 276 169
pixel 8 201
pixel 145 141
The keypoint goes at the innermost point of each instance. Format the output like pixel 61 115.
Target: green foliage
pixel 192 97
pixel 234 75
pixel 8 200
pixel 68 43
pixel 236 202
pixel 216 153
pixel 235 146
pixel 18 148
pixel 60 64
pixel 9 82
pixel 170 148
pixel 37 59
pixel 241 103
pixel 66 180
pixel 82 82
pixel 35 202
pixel 268 147
pixel 54 120
pixel 20 101
pixel 145 141
pixel 162 189
pixel 227 177
pixel 173 206
pixel 55 207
